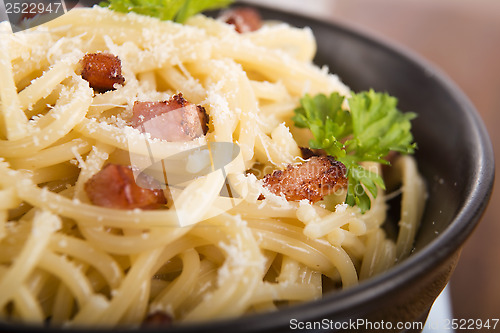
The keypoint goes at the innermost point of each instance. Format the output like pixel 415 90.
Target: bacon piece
pixel 157 319
pixel 311 180
pixel 244 19
pixel 173 120
pixel 114 187
pixel 307 153
pixel 102 70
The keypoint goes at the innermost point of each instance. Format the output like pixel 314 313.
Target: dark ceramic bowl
pixel 455 156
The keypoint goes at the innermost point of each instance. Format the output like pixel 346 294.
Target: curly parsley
pixel 368 132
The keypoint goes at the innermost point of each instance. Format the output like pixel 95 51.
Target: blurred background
pixel 462 38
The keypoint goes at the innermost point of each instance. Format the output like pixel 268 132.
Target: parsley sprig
pixel 368 132
pixel 167 10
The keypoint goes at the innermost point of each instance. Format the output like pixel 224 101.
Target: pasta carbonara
pixel 192 251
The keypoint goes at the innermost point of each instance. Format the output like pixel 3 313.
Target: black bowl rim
pixel 354 300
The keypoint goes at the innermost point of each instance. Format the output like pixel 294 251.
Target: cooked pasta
pixel 203 255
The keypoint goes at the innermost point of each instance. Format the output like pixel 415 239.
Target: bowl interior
pixel 454 154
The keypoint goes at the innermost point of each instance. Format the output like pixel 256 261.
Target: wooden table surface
pixel 462 37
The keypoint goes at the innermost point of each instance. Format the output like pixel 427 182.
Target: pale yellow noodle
pixel 44 224
pixel 14 120
pixel 28 306
pixel 331 222
pixel 90 312
pixel 69 111
pixel 69 273
pixel 297 76
pixel 179 289
pixel 44 85
pixel 139 307
pixel 9 198
pixel 63 305
pixel 234 290
pixel 53 155
pixel 136 244
pixel 266 90
pixel 128 290
pixel 289 270
pixel 84 251
pixel 190 87
pixel 205 282
pixel 347 240
pixel 284 291
pixel 411 205
pixel 373 252
pixel 299 43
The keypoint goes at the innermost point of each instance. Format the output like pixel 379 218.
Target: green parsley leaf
pixel 326 119
pixel 368 132
pixel 379 127
pixel 166 10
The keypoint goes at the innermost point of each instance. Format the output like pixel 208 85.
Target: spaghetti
pixel 70 262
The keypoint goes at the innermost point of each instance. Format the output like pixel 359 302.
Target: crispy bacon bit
pixel 157 319
pixel 319 176
pixel 102 70
pixel 114 187
pixel 173 120
pixel 307 153
pixel 244 19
